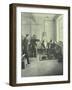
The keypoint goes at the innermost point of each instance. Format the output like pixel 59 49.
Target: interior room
pixel 45 44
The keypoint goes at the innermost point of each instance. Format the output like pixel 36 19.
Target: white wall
pixel 59 28
pixel 4 45
pixel 37 24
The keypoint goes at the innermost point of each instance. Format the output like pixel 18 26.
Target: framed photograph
pixel 39 44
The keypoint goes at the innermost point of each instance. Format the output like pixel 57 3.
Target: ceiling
pixel 40 15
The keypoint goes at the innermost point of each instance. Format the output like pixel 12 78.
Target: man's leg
pixel 34 52
pixel 27 58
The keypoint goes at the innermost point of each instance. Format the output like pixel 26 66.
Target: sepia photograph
pixel 41 44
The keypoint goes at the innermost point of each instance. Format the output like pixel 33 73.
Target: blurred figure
pixel 47 45
pixel 51 49
pixel 33 45
pixel 59 52
pixel 25 48
pixel 50 44
pixel 43 45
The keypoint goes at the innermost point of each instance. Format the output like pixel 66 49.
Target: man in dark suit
pixel 33 45
pixel 25 46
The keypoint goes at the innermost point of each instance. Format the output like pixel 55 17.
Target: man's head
pixel 27 35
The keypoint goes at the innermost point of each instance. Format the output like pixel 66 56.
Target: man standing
pixel 33 45
pixel 25 46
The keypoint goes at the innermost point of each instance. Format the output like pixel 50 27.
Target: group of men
pixel 29 47
pixel 52 49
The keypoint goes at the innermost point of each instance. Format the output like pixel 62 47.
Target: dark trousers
pixel 26 55
pixel 34 52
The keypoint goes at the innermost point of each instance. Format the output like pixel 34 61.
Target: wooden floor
pixel 42 68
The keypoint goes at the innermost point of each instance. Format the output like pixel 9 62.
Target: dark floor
pixel 42 68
